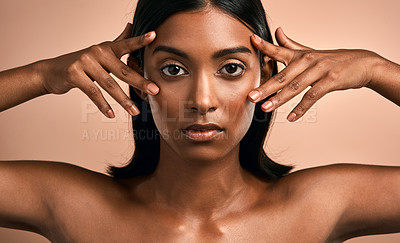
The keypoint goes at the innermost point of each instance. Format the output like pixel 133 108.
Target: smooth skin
pixel 199 192
pixel 324 71
pixel 79 70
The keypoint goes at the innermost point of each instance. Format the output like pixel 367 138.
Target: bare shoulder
pixel 51 172
pixel 336 183
pixel 336 177
pixel 54 181
pixel 35 192
pixel 350 199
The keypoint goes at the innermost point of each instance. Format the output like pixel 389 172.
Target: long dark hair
pixel 149 15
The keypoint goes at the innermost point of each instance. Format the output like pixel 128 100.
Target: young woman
pixel 203 85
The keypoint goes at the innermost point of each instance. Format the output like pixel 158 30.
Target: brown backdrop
pixel 355 126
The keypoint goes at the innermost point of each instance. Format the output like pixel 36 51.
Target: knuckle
pixel 332 75
pixel 276 100
pixel 103 107
pixel 280 77
pixel 85 58
pixel 125 70
pixel 308 56
pixel 294 85
pixel 93 91
pixel 73 69
pixel 109 82
pixel 300 109
pixel 311 95
pixel 97 49
pixel 126 103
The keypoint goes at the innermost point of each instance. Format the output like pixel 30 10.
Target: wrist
pixel 38 71
pixel 378 70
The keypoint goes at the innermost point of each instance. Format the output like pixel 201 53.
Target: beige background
pixel 353 126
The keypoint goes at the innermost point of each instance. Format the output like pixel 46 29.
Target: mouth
pixel 202 132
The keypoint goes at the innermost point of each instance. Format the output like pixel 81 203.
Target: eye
pixel 232 69
pixel 173 70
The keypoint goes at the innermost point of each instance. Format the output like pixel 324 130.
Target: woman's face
pixel 205 66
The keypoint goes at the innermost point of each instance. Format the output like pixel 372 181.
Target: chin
pixel 203 153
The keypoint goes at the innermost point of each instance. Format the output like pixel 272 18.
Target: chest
pixel 280 224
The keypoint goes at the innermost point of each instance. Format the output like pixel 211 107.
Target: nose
pixel 203 94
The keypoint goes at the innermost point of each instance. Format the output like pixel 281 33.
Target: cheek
pixel 240 113
pixel 166 109
pixel 239 108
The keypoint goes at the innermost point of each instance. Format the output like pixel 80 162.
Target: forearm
pixel 386 80
pixel 21 84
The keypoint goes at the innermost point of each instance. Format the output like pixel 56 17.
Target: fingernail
pixel 292 117
pixel 254 95
pixel 267 106
pixel 149 34
pixel 257 38
pixel 133 111
pixel 110 114
pixel 152 88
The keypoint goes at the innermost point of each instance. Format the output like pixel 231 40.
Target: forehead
pixel 205 30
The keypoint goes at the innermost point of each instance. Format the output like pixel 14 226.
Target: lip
pixel 202 132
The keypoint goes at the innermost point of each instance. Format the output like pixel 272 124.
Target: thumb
pixel 126 33
pixel 285 41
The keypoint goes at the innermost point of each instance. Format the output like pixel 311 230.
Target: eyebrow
pixel 219 54
pixel 224 52
pixel 171 50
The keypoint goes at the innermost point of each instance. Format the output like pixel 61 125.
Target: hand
pixel 80 69
pixel 324 71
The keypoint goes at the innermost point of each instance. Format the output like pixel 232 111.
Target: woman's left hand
pixel 324 71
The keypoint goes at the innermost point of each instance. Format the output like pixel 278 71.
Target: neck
pixel 200 187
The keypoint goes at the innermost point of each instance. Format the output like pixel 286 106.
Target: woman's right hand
pixel 80 69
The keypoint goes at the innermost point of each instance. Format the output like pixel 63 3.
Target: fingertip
pixel 153 89
pixel 150 35
pixel 254 96
pixel 292 117
pixel 257 39
pixel 268 106
pixel 110 114
pixel 133 110
pixel 279 32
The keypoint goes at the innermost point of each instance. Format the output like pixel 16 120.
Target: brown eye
pixel 233 69
pixel 173 70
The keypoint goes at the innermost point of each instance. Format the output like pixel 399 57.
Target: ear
pixel 134 64
pixel 266 71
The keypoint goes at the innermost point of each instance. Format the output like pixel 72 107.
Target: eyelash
pixel 238 65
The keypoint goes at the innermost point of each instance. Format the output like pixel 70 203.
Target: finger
pixel 278 53
pixel 126 33
pixel 285 41
pixel 316 92
pixel 129 45
pixel 96 72
pixel 280 80
pixel 85 84
pixel 128 75
pixel 293 88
